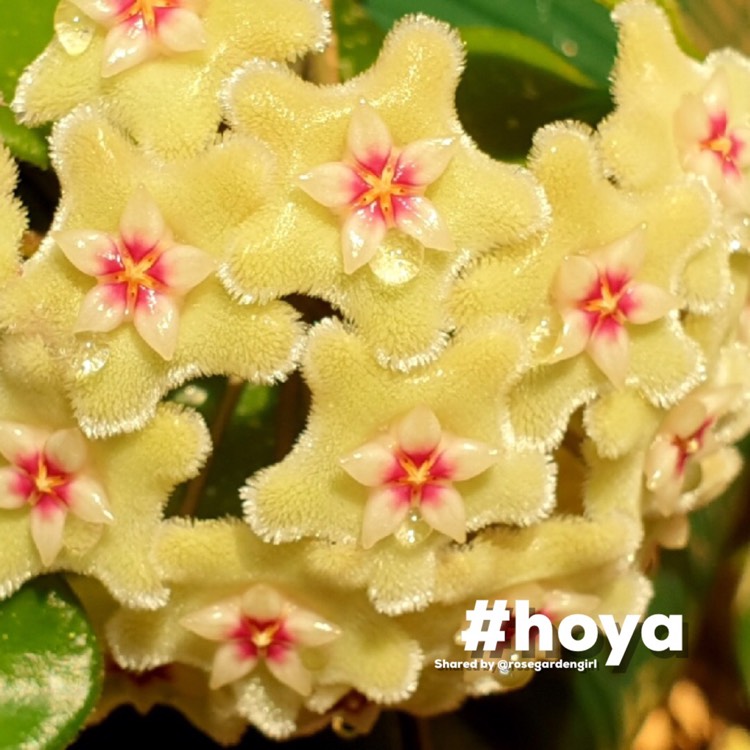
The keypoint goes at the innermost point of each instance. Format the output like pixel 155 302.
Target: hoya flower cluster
pixel 526 377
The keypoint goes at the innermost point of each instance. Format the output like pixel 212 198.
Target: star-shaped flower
pixel 141 29
pixel 69 503
pixel 141 274
pixel 413 466
pixel 261 627
pixel 387 152
pixel 157 65
pixel 149 232
pixel 606 279
pixel 674 115
pixel 379 187
pixel 439 424
pixel 597 295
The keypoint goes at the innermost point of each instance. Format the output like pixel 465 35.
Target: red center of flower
pixel 41 481
pixel 415 475
pixel 147 12
pixel 380 180
pixel 135 272
pixel 724 144
pixel 261 639
pixel 688 446
pixel 609 302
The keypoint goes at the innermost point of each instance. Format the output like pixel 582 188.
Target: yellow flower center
pixel 146 9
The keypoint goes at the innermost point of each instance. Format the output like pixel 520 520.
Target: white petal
pixel 443 508
pixel 309 628
pixel 102 309
pixel 47 524
pixel 623 257
pixel 649 303
pixel 674 532
pixel 66 449
pixel 333 184
pixel 157 320
pixel 87 500
pixel 102 11
pixel 692 123
pixel 574 335
pixel 686 418
pixel 18 441
pixel 464 459
pixel 577 279
pixel 422 162
pixel 716 93
pixel 12 488
pixel 661 463
pixel 93 253
pixel 361 236
pixel 127 44
pixel 371 464
pixel 609 347
pixel 419 431
pixel 289 670
pixel 216 622
pixel 384 512
pixel 229 666
pixel 368 139
pixel 263 603
pixel 418 217
pixel 142 224
pixel 180 30
pixel 182 267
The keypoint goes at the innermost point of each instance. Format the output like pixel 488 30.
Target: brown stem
pixel 229 400
pixel 324 66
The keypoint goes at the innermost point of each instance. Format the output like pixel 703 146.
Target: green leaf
pixel 580 30
pixel 514 84
pixel 25 30
pixel 359 37
pixel 50 667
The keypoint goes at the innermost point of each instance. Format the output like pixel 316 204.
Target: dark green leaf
pixel 25 30
pixel 50 667
pixel 359 37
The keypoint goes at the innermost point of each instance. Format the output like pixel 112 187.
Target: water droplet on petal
pixel 74 28
pixel 413 530
pixel 398 259
pixel 90 357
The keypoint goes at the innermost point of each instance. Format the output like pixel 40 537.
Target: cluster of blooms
pixel 532 376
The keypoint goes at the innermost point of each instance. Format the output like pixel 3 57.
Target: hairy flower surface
pixel 149 232
pixel 12 219
pixel 69 503
pixel 597 294
pixel 283 646
pixel 387 152
pixel 371 417
pixel 157 65
pixel 675 115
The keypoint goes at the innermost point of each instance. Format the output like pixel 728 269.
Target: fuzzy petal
pixel 47 524
pixel 157 321
pixel 443 508
pixel 418 217
pixel 290 670
pixel 333 184
pixel 361 236
pixel 229 666
pixel 384 513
